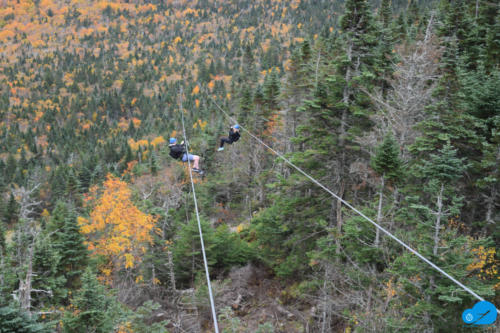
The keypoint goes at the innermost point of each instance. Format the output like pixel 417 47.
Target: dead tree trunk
pixel 379 211
pixel 491 200
pixel 25 285
pixel 326 303
pixel 438 220
pixel 171 270
pixel 339 220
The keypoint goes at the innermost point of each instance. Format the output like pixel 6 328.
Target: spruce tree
pixel 10 168
pixel 67 240
pixel 493 42
pixel 385 13
pixel 386 161
pixel 249 70
pixel 385 55
pixel 153 162
pixel 13 319
pixel 46 278
pixel 94 308
pixel 187 249
pixel 245 105
pixel 72 250
pixel 388 165
pixel 271 90
pixel 11 212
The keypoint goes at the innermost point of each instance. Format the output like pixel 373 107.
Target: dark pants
pixel 225 140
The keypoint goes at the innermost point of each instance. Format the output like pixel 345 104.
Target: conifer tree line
pixel 393 105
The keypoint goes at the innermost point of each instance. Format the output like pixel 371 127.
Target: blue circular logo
pixel 468 316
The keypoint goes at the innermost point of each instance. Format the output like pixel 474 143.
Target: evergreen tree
pixel 245 105
pixel 386 161
pixel 153 162
pixel 141 319
pixel 413 12
pixel 388 165
pixel 10 168
pixel 13 319
pixel 271 91
pixel 385 13
pixel 11 212
pixel 46 278
pixel 72 251
pixel 68 242
pixel 188 246
pixel 493 42
pixel 95 309
pixel 385 54
pixel 249 68
pixel 442 170
pixel 298 85
pixel 360 33
pixel 72 185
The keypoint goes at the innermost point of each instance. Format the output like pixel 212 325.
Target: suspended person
pixel 234 135
pixel 178 151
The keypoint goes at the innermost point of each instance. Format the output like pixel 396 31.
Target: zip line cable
pixel 212 304
pixel 354 209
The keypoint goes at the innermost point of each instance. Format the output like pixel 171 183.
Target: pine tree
pixel 386 161
pixel 388 165
pixel 271 90
pixel 245 105
pixel 46 278
pixel 493 43
pixel 385 54
pixel 413 12
pixel 72 185
pixel 10 168
pixel 385 11
pixel 94 308
pixel 187 249
pixel 67 240
pixel 72 250
pixel 297 86
pixel 13 319
pixel 153 163
pixel 11 212
pixel 249 69
pixel 141 319
pixel 360 33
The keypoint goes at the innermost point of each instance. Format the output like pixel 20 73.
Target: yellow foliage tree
pixel 485 266
pixel 116 228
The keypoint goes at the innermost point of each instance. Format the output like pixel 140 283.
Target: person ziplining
pixel 178 151
pixel 234 135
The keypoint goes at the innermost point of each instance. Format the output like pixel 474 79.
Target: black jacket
pixel 233 135
pixel 177 150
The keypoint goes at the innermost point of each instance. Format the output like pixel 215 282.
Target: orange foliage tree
pixel 116 228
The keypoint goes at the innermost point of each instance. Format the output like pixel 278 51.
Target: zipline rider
pixel 178 151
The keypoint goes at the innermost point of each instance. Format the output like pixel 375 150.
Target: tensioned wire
pixel 212 304
pixel 464 287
